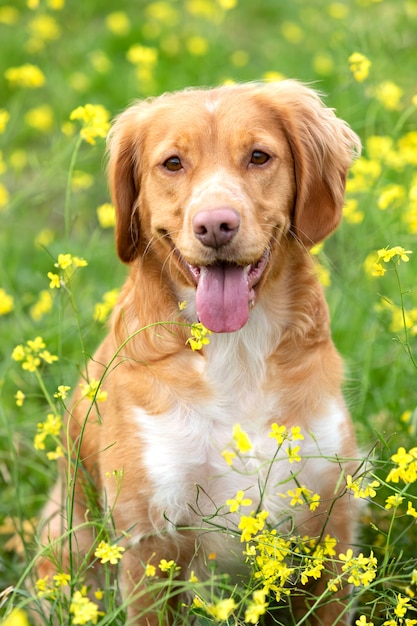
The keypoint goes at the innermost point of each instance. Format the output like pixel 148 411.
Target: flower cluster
pixel 406 466
pixel 95 121
pixel 105 307
pixel 385 255
pixel 6 302
pixel 33 354
pixel 361 570
pixel 92 391
pixel 67 264
pixel 51 427
pixel 362 487
pixel 199 336
pixel 108 553
pixel 359 65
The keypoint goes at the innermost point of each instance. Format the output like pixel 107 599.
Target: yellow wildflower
pixel 25 76
pixel 361 487
pixel 118 23
pixel 228 456
pixel 150 570
pixel 257 607
pixel 199 336
pixel 108 553
pixel 389 95
pixel 102 309
pixel 42 306
pixel 95 119
pixel 106 214
pixel 359 65
pixel 238 501
pixel 411 510
pixel 83 610
pixel 19 397
pixel 293 455
pixel 4 118
pixel 40 118
pixel 6 302
pixel 92 391
pixel 17 617
pixel 278 432
pixel 55 282
pixel 241 439
pixel 222 610
pixel 251 524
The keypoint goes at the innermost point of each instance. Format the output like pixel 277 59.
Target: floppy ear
pixel 323 147
pixel 124 146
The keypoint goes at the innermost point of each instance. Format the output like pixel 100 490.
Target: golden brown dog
pixel 219 196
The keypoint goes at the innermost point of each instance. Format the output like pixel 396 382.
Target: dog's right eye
pixel 173 164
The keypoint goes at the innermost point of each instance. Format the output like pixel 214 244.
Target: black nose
pixel 216 227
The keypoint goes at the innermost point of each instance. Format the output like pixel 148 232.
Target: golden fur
pixel 272 161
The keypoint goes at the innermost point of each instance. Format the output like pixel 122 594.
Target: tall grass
pixel 53 201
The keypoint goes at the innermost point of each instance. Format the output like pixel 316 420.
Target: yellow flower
pixel 223 609
pixel 150 570
pixel 361 569
pixel 61 580
pixel 351 213
pixel 362 621
pixel 62 392
pixel 58 453
pixel 9 15
pixel 109 553
pixel 361 487
pixel 293 455
pixel 41 118
pixel 25 76
pixel 95 119
pixel 251 524
pixel 92 392
pixel 238 501
pixel 257 607
pixel 406 469
pixel 197 46
pixel 141 55
pixel 55 282
pixel 389 95
pixel 391 196
pixel 17 617
pixel 19 397
pixel 278 432
pixel 192 577
pixel 359 65
pixel 83 610
pixel 4 196
pixel 228 456
pixel 6 302
pixel 118 23
pixel 393 501
pixel 411 510
pixel 199 336
pixel 403 604
pixel 102 309
pixel 241 439
pixel 168 566
pixel 64 261
pixel 42 306
pixel 4 118
pixel 106 214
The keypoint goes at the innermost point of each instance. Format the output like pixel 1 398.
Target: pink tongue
pixel 222 298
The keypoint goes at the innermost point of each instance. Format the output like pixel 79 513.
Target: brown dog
pixel 219 196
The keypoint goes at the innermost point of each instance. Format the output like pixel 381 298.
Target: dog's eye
pixel 173 164
pixel 259 157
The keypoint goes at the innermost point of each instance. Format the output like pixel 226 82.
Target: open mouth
pixel 226 292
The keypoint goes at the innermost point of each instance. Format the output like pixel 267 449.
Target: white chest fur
pixel 183 447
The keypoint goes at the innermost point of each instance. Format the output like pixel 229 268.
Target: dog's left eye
pixel 259 157
pixel 173 164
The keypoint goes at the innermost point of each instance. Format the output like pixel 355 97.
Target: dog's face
pixel 212 183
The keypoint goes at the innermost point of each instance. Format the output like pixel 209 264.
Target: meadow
pixel 67 68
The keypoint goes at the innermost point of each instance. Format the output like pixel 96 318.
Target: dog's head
pixel 211 183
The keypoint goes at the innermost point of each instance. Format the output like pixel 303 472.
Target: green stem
pixel 67 209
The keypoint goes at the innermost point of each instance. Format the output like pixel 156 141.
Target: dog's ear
pixel 124 146
pixel 323 147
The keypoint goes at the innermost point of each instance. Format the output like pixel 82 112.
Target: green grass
pixel 199 43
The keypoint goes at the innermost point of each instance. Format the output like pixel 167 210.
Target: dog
pixel 219 195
